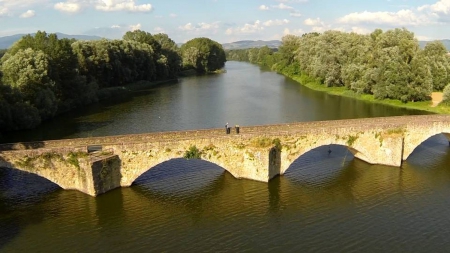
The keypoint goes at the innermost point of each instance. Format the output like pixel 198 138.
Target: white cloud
pixel 70 7
pixel 276 22
pixel 135 27
pixel 264 7
pixel 295 13
pixel 187 27
pixel 28 14
pixel 442 6
pixel 73 6
pixel 122 5
pixel 246 29
pixel 360 30
pixel 319 29
pixel 200 27
pixel 173 15
pixel 292 1
pixel 16 4
pixel 4 12
pixel 283 6
pixel 159 30
pixel 297 32
pixel 313 22
pixel 400 18
pixel 424 38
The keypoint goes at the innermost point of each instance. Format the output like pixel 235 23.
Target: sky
pixel 224 20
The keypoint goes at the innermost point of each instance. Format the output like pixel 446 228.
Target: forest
pixel 42 76
pixel 387 65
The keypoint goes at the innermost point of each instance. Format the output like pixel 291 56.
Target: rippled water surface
pixel 326 202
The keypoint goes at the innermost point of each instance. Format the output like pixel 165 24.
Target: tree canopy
pixel 203 54
pixel 388 65
pixel 42 75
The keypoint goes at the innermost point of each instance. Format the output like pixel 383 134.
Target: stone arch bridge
pixel 258 152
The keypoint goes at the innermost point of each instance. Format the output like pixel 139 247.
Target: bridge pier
pixel 74 170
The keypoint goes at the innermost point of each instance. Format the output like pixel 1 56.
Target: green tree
pixel 439 64
pixel 171 52
pixel 71 89
pixel 143 37
pixel 27 70
pixel 166 54
pixel 446 95
pixel 207 56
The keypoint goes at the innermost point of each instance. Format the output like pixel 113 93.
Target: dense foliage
pixel 41 75
pixel 385 64
pixel 203 54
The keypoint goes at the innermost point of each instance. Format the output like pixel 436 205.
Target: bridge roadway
pixel 259 130
pixel 251 154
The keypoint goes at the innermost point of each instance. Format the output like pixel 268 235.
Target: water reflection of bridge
pixel 225 199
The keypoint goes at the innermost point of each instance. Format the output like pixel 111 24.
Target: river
pixel 324 203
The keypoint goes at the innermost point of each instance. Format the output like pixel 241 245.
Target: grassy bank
pixel 342 91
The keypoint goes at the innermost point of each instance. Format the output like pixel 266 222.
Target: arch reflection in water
pixel 430 152
pixel 23 187
pixel 320 166
pixel 180 177
pixel 19 192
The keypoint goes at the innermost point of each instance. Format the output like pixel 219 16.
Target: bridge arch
pixel 44 174
pixel 324 156
pixel 181 177
pixel 357 149
pixel 412 143
pixel 26 182
pixel 177 161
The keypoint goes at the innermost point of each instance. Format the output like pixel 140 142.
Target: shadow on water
pixel 180 176
pixel 181 182
pixel 431 159
pixel 320 167
pixel 21 192
pixel 429 152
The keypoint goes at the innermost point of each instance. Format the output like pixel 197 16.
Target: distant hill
pixel 243 44
pixel 7 41
pixel 445 42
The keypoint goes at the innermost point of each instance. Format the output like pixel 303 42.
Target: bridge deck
pixel 245 131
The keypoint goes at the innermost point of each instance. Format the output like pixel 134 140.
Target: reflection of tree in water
pixel 20 196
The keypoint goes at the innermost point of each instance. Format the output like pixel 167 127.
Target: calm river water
pixel 324 203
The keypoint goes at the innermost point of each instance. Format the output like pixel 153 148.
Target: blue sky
pixel 224 20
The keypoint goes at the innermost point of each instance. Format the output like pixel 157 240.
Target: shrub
pixel 193 153
pixel 446 95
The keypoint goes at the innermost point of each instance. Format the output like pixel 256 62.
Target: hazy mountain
pixel 7 41
pixel 243 44
pixel 445 42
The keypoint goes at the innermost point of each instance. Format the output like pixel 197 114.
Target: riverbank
pixel 429 106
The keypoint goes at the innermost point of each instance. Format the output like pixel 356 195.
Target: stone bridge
pixel 258 152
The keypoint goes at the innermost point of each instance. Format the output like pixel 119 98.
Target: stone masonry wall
pixel 258 153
